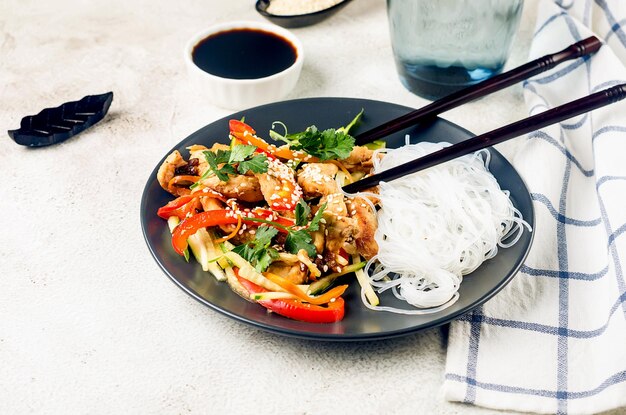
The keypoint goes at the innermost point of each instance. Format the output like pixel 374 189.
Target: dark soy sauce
pixel 244 54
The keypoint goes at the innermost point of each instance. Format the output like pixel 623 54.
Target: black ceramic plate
pixel 298 20
pixel 359 322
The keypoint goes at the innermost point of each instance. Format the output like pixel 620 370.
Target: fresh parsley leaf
pixel 240 155
pixel 240 152
pixel 227 169
pixel 301 239
pixel 258 251
pixel 302 213
pixel 264 235
pixel 326 145
pixel 221 156
pixel 213 160
pixel 257 164
pixel 315 222
pixel 297 240
pixel 265 259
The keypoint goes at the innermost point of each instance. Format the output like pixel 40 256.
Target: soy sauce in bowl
pixel 242 64
pixel 244 53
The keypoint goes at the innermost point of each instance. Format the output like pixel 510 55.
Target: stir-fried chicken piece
pixel 168 170
pixel 245 188
pixel 366 224
pixel 279 191
pixel 335 206
pixel 360 159
pixel 318 179
pixel 318 240
pixel 339 231
pixel 279 187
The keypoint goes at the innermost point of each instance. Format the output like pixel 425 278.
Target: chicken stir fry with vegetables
pixel 272 221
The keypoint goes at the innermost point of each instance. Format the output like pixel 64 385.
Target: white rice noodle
pixel 436 226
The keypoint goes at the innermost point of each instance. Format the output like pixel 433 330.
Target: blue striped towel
pixel 554 340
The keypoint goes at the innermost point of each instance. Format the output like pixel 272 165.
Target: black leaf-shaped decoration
pixel 55 125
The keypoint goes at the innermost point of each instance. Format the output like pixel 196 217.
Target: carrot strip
pixel 233 233
pixel 295 290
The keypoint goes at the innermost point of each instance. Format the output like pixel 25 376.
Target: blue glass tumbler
pixel 442 46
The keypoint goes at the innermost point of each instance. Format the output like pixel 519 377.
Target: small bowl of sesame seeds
pixel 298 13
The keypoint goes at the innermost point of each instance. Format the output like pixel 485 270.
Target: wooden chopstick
pixel 493 84
pixel 499 135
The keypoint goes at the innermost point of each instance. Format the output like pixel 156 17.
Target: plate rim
pixel 334 337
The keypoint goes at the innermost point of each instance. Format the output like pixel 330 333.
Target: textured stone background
pixel 88 322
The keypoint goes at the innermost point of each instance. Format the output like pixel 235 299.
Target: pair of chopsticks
pixel 429 112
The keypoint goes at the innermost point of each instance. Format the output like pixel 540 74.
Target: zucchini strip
pixel 365 283
pixel 247 271
pixel 326 282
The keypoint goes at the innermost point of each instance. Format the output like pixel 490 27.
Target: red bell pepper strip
pixel 192 224
pixel 246 134
pixel 297 310
pixel 181 207
pixel 267 153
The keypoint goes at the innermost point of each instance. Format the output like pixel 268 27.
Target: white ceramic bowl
pixel 237 94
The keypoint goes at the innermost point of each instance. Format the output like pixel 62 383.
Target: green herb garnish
pixel 240 159
pixel 258 251
pixel 315 222
pixel 240 153
pixel 302 213
pixel 300 239
pixel 256 164
pixel 328 144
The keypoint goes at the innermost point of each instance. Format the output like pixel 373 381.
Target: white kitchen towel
pixel 554 340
